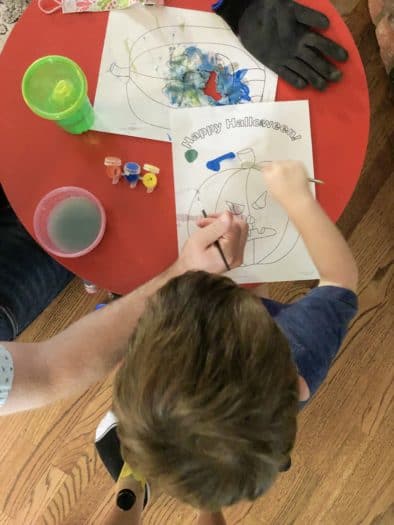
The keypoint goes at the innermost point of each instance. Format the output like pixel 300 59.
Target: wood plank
pixel 42 493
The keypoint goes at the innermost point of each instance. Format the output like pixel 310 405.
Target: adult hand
pixel 287 182
pixel 199 251
pixel 279 34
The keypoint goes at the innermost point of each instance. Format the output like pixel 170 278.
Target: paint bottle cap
pixel 151 169
pixel 149 180
pixel 132 168
pixel 112 161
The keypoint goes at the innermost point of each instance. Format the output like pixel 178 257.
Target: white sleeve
pixel 6 374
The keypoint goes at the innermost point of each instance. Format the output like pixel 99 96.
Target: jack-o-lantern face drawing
pixel 167 69
pixel 242 192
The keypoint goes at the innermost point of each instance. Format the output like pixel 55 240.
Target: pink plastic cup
pixel 69 222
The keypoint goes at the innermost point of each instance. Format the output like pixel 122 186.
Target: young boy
pixel 208 395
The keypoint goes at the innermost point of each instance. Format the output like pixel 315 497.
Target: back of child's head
pixel 207 396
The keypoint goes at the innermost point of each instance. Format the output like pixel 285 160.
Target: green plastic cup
pixel 55 88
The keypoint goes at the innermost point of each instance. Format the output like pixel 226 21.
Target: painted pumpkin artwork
pixel 241 191
pixel 183 71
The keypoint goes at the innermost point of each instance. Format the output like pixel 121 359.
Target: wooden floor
pixel 342 470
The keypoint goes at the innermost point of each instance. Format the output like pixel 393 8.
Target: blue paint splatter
pixel 189 72
pixel 232 88
pixel 214 164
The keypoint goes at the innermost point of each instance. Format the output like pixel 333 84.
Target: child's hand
pixel 287 181
pixel 200 253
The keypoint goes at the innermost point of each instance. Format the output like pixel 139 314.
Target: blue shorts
pixel 315 327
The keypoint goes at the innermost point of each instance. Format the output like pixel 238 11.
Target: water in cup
pixel 74 224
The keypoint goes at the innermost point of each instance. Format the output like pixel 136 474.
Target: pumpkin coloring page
pixel 218 154
pixel 157 60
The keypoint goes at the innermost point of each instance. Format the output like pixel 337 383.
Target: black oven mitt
pixel 279 33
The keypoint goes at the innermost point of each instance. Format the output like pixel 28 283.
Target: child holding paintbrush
pixel 206 400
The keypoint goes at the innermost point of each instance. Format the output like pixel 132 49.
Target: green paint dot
pixel 191 155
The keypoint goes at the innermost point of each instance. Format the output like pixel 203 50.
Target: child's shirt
pixel 315 327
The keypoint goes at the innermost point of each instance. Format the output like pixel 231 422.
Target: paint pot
pixel 131 172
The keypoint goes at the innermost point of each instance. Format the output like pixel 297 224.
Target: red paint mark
pixel 210 87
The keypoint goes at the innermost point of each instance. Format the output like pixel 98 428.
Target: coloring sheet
pixel 216 154
pixel 158 59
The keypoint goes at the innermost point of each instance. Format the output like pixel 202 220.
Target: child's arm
pixel 86 351
pixel 288 183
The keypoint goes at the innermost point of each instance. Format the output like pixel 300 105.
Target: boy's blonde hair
pixel 207 396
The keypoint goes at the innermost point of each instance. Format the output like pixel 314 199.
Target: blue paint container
pixel 131 172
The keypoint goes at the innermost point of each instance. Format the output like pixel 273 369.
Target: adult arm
pixel 89 349
pixel 81 355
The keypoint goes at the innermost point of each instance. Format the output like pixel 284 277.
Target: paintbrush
pixel 260 165
pixel 217 244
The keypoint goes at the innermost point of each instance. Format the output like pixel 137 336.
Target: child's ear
pixel 304 389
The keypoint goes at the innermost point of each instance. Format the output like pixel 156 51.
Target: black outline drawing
pixel 256 233
pixel 174 30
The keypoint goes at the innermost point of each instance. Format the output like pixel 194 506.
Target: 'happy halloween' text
pixel 246 122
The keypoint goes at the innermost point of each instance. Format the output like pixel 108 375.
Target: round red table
pixel 140 240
